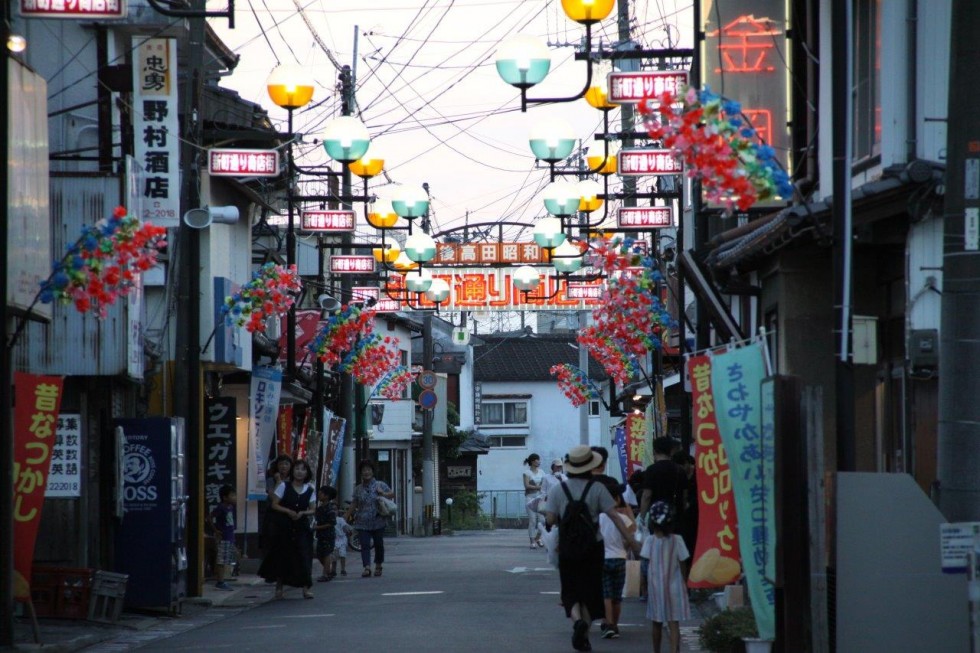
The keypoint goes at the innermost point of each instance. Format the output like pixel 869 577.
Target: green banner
pixel 736 378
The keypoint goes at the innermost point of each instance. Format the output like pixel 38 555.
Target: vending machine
pixel 151 538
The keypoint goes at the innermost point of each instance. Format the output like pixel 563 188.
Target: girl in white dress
pixel 533 476
pixel 666 589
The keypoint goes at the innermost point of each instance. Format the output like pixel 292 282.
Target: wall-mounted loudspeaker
pixel 203 218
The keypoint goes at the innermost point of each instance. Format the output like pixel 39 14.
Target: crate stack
pixel 61 592
pixel 108 595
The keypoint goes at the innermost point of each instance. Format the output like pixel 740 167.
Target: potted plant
pixel 723 632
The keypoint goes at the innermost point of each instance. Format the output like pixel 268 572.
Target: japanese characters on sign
pixel 583 291
pixel 65 479
pixel 220 448
pixel 638 453
pixel 625 88
pixel 155 128
pixel 735 381
pixel 328 221
pixel 489 253
pixel 351 264
pixel 224 162
pixel 360 294
pixel 716 553
pixel 264 395
pixel 38 399
pixel 644 217
pixel 79 9
pixel 387 305
pixel 645 161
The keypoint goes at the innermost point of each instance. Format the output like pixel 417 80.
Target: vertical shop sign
pixel 155 128
pixel 38 399
pixel 219 447
pixel 335 449
pixel 65 479
pixel 637 444
pixel 716 560
pixel 736 377
pixel 264 396
pixel 285 442
pixel 619 442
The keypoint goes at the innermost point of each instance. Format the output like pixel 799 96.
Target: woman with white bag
pixel 369 518
pixel 533 477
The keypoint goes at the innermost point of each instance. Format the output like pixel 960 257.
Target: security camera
pixel 327 303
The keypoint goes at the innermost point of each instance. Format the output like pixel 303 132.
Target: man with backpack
pixel 574 506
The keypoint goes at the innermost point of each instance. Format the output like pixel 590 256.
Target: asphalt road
pixel 472 592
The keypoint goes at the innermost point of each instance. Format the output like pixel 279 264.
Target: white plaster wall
pixel 553 430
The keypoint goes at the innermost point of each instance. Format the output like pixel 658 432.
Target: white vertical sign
pixel 971 229
pixel 65 475
pixel 264 394
pixel 155 128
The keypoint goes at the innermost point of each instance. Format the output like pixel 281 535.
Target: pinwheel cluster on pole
pixel 104 263
pixel 574 384
pixel 270 293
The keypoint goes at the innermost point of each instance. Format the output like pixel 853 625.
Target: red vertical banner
pixel 716 560
pixel 637 447
pixel 303 434
pixel 284 430
pixel 37 402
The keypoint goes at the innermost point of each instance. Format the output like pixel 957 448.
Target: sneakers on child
pixel 224 587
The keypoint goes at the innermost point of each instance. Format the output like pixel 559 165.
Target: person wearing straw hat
pixel 581 577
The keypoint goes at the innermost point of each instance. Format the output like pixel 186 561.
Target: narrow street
pixel 470 592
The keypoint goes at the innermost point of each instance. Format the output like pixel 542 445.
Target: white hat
pixel 557 461
pixel 581 459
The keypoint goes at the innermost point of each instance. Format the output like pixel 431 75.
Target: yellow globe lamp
pixel 380 214
pixel 290 87
pixel 598 93
pixel 404 264
pixel 388 254
pixel 370 165
pixel 587 12
pixel 598 161
pixel 588 195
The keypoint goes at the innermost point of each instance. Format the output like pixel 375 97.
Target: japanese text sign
pixel 489 253
pixel 638 454
pixel 633 87
pixel 264 396
pixel 220 448
pixel 327 221
pixel 361 294
pixel 644 217
pixel 79 9
pixel 155 130
pixel 37 401
pixel 223 162
pixel 736 377
pixel 65 477
pixel 645 161
pixel 716 552
pixel 351 264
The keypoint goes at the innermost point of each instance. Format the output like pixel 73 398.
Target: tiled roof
pixel 527 357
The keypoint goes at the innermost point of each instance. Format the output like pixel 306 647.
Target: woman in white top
pixel 533 476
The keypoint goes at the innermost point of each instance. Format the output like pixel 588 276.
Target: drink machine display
pixel 151 538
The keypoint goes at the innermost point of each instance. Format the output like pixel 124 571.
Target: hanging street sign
pixel 78 9
pixel 225 162
pixel 360 294
pixel 630 88
pixel 583 291
pixel 635 162
pixel 645 217
pixel 351 264
pixel 489 253
pixel 386 305
pixel 327 221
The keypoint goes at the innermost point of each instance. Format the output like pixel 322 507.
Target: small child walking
pixel 325 529
pixel 342 531
pixel 666 589
pixel 614 565
pixel 223 521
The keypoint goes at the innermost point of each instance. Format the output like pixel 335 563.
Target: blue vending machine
pixel 151 538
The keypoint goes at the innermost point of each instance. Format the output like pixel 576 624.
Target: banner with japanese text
pixel 220 447
pixel 284 431
pixel 736 377
pixel 37 402
pixel 619 442
pixel 715 559
pixel 264 397
pixel 335 435
pixel 638 445
pixel 65 476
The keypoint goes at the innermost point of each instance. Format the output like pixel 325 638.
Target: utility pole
pixel 959 412
pixel 428 461
pixel 583 364
pixel 188 373
pixel 6 374
pixel 349 400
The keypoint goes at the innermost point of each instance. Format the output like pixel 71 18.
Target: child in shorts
pixel 325 529
pixel 342 531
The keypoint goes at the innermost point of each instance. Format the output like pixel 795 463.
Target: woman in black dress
pixel 290 557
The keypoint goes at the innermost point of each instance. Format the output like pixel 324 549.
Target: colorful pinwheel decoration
pixel 574 384
pixel 104 263
pixel 270 293
pixel 718 146
pixel 370 359
pixel 393 384
pixel 347 340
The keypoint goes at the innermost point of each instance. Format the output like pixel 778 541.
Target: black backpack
pixel 576 530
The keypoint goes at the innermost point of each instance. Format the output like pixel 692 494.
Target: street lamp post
pixel 290 88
